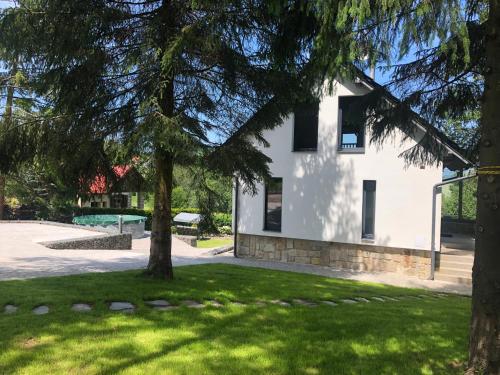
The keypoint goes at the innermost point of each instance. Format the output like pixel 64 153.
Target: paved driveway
pixel 22 257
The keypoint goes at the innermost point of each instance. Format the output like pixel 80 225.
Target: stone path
pixel 164 305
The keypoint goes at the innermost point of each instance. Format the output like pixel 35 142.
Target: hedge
pixel 220 219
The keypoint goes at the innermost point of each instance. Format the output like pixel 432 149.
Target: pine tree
pixel 451 52
pixel 176 78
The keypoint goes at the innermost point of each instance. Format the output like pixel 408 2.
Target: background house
pixel 125 191
pixel 336 199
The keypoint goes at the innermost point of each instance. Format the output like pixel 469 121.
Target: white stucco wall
pixel 322 191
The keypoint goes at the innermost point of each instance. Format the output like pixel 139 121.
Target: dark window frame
pixel 295 147
pixel 266 224
pixel 346 150
pixel 364 234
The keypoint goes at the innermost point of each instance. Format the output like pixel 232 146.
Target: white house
pixel 335 200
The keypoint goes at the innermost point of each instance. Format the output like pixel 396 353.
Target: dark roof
pixel 419 120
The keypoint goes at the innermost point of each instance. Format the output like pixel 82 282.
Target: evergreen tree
pixel 176 78
pixel 450 53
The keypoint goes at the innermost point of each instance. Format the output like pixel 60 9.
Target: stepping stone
pixel 415 297
pixel 329 303
pixel 157 303
pixel 304 302
pixel 193 304
pixel 10 309
pixel 236 303
pixel 214 303
pixel 81 307
pixel 165 308
pixel 390 298
pixel 280 302
pixel 125 307
pixel 424 296
pixel 379 299
pixel 361 299
pixel 41 310
pixel 260 303
pixel 348 301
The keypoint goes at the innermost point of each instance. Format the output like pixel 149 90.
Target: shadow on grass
pixel 411 337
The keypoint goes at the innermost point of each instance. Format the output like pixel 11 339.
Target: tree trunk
pixel 160 257
pixel 9 103
pixel 484 345
pixel 2 196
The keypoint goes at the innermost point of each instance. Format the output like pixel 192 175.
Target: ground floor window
pixel 368 216
pixel 273 203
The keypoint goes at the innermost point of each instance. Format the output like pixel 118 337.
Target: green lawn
pixel 427 336
pixel 214 242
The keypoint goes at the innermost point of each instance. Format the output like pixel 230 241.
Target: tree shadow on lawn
pixel 354 339
pixel 403 337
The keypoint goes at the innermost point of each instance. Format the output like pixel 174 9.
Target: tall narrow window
pixel 351 125
pixel 305 129
pixel 369 190
pixel 272 219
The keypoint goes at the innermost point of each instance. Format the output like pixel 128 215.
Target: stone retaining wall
pixel 338 255
pixel 101 242
pixel 190 240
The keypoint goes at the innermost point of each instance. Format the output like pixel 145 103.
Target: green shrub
pixel 222 220
pixel 225 230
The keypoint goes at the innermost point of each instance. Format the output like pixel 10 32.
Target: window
pixel 272 209
pixel 368 216
pixel 94 204
pixel 104 204
pixel 305 129
pixel 351 125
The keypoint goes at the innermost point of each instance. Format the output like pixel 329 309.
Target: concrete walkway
pixel 22 257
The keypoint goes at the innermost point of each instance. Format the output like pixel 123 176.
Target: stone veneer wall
pixel 102 242
pixel 338 255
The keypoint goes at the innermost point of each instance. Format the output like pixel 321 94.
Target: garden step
pixel 455 272
pixel 361 299
pixel 349 301
pixel 126 307
pixel 304 302
pixel 10 309
pixel 81 307
pixel 41 310
pixel 453 279
pixel 157 303
pixel 456 265
pixel 193 304
pixel 467 259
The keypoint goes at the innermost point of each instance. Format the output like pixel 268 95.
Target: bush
pixel 225 230
pixel 222 219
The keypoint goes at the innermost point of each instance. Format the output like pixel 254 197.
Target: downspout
pixel 435 190
pixel 236 201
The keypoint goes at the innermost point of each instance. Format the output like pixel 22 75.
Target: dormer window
pixel 351 125
pixel 305 127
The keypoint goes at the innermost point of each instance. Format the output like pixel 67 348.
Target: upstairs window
pixel 351 125
pixel 368 216
pixel 305 127
pixel 273 203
